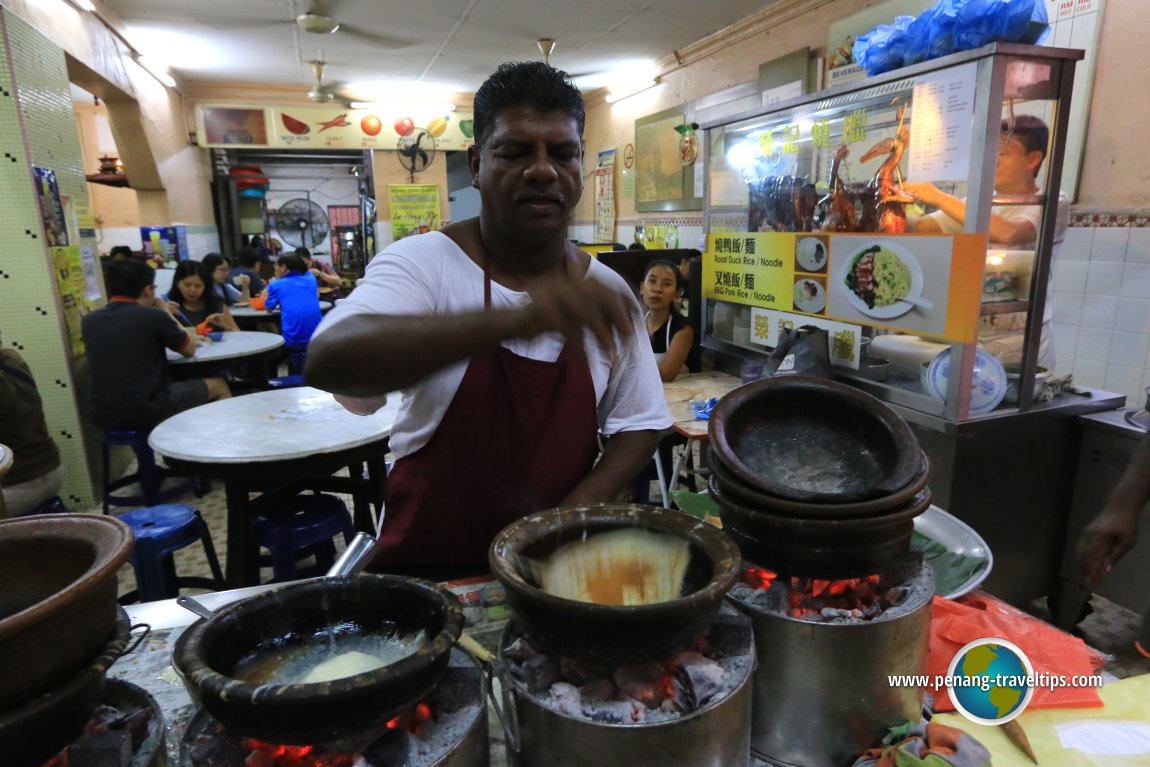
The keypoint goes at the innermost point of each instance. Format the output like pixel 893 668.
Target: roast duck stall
pixel 637 635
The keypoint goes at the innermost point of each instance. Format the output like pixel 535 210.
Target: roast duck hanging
pixel 887 199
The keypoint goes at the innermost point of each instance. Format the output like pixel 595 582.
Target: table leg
pixel 663 489
pixel 376 479
pixel 243 562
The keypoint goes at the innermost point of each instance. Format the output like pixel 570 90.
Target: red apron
pixel 517 437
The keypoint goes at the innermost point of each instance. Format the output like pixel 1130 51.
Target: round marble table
pixel 246 316
pixel 234 344
pixel 275 444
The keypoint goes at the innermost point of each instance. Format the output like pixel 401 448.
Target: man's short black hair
pixel 303 253
pixel 129 278
pixel 525 84
pixel 293 262
pixel 1030 131
pixel 121 250
pixel 249 257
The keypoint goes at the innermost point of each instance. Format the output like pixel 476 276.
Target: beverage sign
pixel 924 284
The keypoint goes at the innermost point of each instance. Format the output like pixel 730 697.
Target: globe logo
pixel 990 681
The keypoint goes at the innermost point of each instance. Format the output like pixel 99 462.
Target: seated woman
pixel 671 341
pixel 192 304
pixel 220 270
pixel 295 292
pixel 36 473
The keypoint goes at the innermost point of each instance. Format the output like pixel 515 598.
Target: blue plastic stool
pixel 305 526
pixel 160 531
pixel 286 382
pixel 148 474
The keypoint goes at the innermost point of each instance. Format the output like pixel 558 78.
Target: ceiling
pixel 444 46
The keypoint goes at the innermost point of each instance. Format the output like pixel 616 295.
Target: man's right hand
pixel 1106 540
pixel 568 305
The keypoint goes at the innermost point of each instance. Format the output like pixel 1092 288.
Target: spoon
pixel 919 301
pixel 191 604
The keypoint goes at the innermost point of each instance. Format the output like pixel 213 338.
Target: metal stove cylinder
pixel 717 735
pixel 821 693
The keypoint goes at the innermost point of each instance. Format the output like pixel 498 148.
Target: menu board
pixel 330 126
pixel 929 285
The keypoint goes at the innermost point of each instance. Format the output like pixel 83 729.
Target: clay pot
pixel 814 441
pixel 58 600
pixel 747 496
pixel 820 548
pixel 613 633
pixel 207 653
pixel 36 730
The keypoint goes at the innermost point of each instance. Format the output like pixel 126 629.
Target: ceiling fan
pixel 324 92
pixel 319 20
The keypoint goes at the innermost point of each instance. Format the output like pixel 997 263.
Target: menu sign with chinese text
pixel 924 284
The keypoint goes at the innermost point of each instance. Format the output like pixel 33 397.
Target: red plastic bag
pixel 1051 651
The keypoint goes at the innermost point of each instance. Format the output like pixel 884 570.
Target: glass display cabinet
pixel 815 213
pixel 815 216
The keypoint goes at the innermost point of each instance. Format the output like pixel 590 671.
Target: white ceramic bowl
pixel 988 380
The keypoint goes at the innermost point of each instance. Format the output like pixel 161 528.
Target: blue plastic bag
pixel 882 49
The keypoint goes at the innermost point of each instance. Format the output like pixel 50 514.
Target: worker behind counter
pixel 1021 150
pixel 513 349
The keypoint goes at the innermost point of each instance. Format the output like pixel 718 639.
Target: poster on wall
pixel 605 197
pixel 91 273
pixel 414 208
pixel 68 266
pixel 927 285
pixel 51 206
pixel 232 126
pixel 660 237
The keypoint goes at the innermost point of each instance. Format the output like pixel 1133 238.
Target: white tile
pixel 1070 276
pixel 1128 349
pixel 1098 311
pixel 1065 342
pixel 1089 373
pixel 1093 345
pixel 1064 365
pixel 1124 380
pixel 1067 307
pixel 1133 315
pixel 1135 281
pixel 1076 245
pixel 1138 247
pixel 1110 243
pixel 1104 279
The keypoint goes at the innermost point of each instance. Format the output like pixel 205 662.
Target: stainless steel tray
pixel 960 538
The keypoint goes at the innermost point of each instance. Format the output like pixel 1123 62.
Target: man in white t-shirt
pixel 512 349
pixel 1021 150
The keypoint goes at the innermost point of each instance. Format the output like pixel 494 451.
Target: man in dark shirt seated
pixel 130 384
pixel 249 259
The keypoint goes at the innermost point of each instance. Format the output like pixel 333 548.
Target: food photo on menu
pixel 811 253
pixel 810 294
pixel 874 278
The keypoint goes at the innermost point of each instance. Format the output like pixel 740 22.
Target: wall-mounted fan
pixel 301 223
pixel 416 151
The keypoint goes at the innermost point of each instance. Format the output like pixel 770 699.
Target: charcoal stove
pixel 825 650
pixel 448 728
pixel 690 710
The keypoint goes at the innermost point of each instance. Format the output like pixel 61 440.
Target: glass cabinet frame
pixel 1005 77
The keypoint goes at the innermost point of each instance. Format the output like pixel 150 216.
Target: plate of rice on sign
pixel 878 279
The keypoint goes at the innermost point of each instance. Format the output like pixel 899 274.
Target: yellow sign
pixel 925 284
pixel 414 208
pixel 70 283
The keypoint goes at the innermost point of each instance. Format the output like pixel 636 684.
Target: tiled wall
pixel 1102 302
pixel 37 129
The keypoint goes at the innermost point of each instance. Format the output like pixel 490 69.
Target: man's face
pixel 529 171
pixel 1015 164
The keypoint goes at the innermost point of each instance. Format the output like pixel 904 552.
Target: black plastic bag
pixel 803 351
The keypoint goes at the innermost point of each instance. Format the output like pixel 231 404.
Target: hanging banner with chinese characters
pixel 605 197
pixel 414 208
pixel 930 285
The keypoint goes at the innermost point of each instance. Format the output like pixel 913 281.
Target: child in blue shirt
pixel 296 293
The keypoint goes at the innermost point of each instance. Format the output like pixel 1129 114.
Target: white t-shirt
pixel 428 274
pixel 1033 214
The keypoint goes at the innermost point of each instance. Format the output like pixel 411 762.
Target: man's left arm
pixel 626 453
